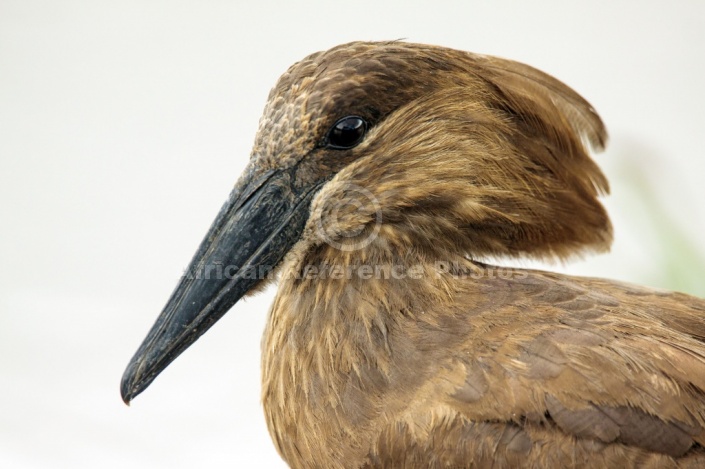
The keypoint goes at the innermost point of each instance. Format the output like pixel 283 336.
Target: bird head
pixel 428 146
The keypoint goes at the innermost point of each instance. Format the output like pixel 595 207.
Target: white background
pixel 124 124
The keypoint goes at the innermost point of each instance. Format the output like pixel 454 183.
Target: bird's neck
pixel 351 298
pixel 335 320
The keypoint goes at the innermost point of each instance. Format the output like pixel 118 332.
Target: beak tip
pixel 126 392
pixel 126 396
pixel 128 388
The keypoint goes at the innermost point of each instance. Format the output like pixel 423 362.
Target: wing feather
pixel 562 371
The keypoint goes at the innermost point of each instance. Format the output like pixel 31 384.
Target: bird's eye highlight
pixel 346 133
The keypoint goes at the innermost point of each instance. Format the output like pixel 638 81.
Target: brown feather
pixel 463 365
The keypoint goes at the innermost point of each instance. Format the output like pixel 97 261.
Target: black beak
pixel 261 220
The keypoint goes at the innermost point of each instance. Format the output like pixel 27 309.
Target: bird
pixel 388 186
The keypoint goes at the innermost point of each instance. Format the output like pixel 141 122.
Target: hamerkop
pixel 383 179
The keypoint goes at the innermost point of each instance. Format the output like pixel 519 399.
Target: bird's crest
pixel 486 155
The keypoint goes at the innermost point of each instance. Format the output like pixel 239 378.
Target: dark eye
pixel 346 133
